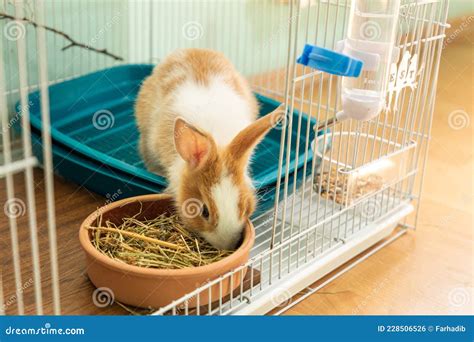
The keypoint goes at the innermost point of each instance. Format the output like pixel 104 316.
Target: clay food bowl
pixel 153 287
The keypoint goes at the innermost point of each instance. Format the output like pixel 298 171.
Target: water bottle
pixel 370 38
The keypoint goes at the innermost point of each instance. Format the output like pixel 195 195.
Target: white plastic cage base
pixel 294 282
pixel 310 249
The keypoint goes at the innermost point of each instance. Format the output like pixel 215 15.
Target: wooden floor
pixel 427 271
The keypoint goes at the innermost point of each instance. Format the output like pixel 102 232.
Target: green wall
pixel 459 8
pixel 253 33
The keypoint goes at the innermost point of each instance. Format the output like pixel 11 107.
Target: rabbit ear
pixel 243 144
pixel 191 144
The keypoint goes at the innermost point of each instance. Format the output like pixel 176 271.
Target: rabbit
pixel 197 121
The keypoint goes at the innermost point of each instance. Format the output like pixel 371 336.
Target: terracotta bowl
pixel 150 287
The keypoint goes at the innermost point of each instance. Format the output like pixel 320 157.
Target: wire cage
pixel 351 193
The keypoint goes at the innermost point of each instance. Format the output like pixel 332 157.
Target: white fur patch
pixel 217 108
pixel 175 172
pixel 229 228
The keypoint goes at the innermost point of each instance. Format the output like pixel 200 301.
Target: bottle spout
pixel 339 117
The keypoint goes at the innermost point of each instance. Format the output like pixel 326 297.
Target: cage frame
pixel 335 235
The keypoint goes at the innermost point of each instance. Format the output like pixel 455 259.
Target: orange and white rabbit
pixel 196 115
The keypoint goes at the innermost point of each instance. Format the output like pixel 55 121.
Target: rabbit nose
pixel 219 241
pixel 237 241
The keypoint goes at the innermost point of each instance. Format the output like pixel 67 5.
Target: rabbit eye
pixel 205 212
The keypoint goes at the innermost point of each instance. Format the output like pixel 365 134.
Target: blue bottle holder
pixel 330 61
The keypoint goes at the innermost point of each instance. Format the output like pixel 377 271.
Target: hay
pixel 161 242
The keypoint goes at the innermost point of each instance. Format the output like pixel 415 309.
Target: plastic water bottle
pixel 371 39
